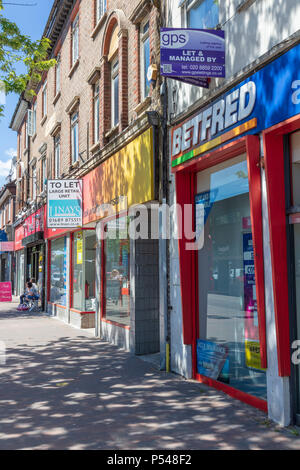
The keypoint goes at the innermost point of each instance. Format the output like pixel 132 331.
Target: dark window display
pixel 58 272
pixel 117 272
pixel 228 347
pixel 84 275
pixel 295 174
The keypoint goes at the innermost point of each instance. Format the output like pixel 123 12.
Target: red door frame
pixel 185 176
pixel 275 178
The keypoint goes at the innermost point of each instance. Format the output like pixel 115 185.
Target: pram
pixel 31 304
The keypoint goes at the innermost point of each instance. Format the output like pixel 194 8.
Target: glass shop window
pixel 84 275
pixel 58 277
pixel 117 272
pixel 228 346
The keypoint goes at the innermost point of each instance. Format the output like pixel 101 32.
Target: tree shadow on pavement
pixel 76 392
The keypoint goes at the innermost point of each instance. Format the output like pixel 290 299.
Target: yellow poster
pixel 253 355
pixel 79 248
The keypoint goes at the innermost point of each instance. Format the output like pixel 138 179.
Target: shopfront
pixel 127 291
pixel 30 249
pixel 71 276
pixel 229 164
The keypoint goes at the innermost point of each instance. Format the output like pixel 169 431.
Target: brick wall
pixel 74 82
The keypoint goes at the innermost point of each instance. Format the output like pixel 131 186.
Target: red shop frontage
pixel 237 163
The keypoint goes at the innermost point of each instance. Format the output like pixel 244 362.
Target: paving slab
pixel 63 389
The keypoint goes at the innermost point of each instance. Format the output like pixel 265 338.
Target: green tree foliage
pixel 15 49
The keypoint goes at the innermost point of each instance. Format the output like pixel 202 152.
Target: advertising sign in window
pixel 64 204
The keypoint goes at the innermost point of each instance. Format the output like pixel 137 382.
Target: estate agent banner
pixel 64 204
pixel 192 55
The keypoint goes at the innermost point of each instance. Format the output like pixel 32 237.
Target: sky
pixel 31 20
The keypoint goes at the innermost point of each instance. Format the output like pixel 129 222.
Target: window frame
pixel 75 149
pixel 34 109
pixel 188 5
pixel 58 75
pixel 75 40
pixel 44 99
pixel 115 74
pixel 96 115
pixel 57 152
pixel 103 312
pixel 43 173
pixel 144 37
pixel 101 7
pixel 34 182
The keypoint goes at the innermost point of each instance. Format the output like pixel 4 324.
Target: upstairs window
pixel 96 113
pixel 57 157
pixel 74 137
pixel 34 183
pixel 57 75
pixel 75 40
pixel 202 14
pixel 34 118
pixel 115 92
pixel 100 9
pixel 44 100
pixel 43 175
pixel 9 210
pixel 145 58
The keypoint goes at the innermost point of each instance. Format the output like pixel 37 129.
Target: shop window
pixel 57 157
pixel 295 228
pixel 84 276
pixel 228 346
pixel 74 137
pixel 96 105
pixel 117 272
pixel 58 272
pixel 295 143
pixel 201 14
pixel 75 40
pixel 115 92
pixel 145 58
pixel 100 9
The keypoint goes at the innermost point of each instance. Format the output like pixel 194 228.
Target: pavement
pixel 61 388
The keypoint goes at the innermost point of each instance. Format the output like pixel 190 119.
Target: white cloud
pixel 6 166
pixel 11 152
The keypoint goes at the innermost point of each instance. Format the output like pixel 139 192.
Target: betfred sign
pixel 64 208
pixel 192 55
pixel 220 116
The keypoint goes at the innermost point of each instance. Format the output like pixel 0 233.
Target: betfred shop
pixel 237 162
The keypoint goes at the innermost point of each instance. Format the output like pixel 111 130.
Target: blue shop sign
pixel 266 98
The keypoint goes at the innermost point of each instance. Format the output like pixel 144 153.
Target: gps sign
pixel 64 204
pixel 192 55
